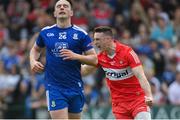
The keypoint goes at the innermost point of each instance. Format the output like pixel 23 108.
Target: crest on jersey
pixel 61 45
pixel 53 104
pixel 75 36
pixel 121 62
pixel 58 46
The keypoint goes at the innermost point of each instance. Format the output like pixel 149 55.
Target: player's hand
pixel 149 101
pixel 37 66
pixel 68 54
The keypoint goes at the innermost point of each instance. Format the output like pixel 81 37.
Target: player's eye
pixel 95 39
pixel 58 6
pixel 65 6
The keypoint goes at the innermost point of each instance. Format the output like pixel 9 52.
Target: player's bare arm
pixel 90 57
pixel 36 66
pixel 87 69
pixel 139 73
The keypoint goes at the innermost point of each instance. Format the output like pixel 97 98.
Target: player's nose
pixel 61 8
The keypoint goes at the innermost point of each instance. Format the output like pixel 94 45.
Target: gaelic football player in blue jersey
pixel 67 46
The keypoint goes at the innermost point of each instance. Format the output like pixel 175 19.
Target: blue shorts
pixel 58 99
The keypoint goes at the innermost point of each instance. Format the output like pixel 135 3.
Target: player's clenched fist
pixel 149 101
pixel 37 66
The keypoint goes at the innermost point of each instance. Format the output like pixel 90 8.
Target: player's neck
pixel 63 23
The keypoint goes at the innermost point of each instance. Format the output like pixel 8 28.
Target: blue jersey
pixel 64 74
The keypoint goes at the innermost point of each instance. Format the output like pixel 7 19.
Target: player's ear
pixel 71 13
pixel 54 14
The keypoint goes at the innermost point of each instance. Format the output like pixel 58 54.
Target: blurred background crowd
pixel 151 27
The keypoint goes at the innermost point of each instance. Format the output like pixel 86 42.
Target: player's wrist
pixel 78 57
pixel 149 100
pixel 32 60
pixel 148 96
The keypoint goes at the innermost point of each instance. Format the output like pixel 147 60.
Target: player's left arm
pixel 139 73
pixel 89 57
pixel 87 69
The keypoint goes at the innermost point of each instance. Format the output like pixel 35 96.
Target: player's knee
pixel 59 114
pixel 143 116
pixel 74 115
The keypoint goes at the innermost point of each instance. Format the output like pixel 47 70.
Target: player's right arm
pixel 138 71
pixel 87 69
pixel 36 66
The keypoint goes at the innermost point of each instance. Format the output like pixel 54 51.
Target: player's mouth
pixel 62 13
pixel 98 46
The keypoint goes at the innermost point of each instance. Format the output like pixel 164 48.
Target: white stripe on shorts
pixel 47 98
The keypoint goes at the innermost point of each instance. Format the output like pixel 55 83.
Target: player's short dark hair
pixel 104 29
pixel 70 1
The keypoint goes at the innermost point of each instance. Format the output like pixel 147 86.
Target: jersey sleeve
pixel 133 58
pixel 87 43
pixel 40 41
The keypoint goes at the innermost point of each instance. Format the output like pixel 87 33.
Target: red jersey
pixel 123 84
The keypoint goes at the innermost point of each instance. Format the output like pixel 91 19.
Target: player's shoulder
pixel 101 55
pixel 79 29
pixel 122 47
pixel 48 27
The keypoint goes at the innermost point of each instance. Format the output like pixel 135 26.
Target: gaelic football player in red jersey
pixel 128 85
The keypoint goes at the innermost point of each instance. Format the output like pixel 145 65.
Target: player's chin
pixel 62 16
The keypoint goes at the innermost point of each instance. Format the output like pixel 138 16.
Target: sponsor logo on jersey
pixel 58 47
pixel 112 62
pixel 50 34
pixel 118 74
pixel 61 45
